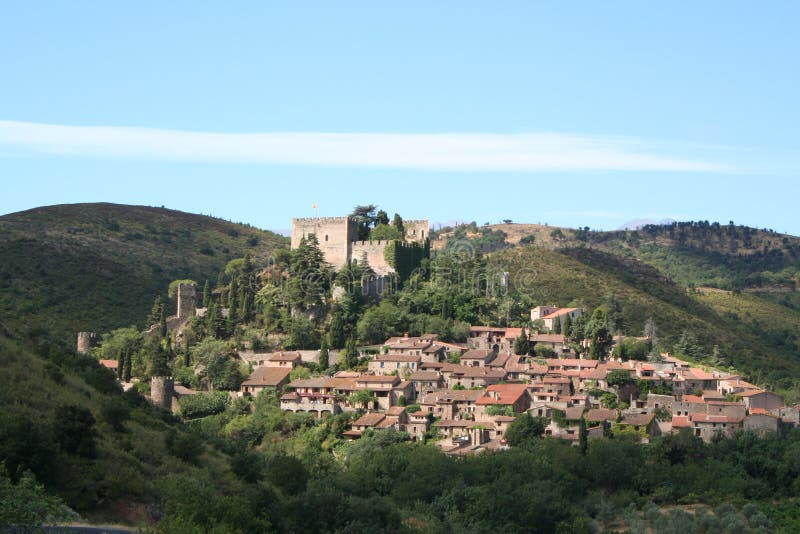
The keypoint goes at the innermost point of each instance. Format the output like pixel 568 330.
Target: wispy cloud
pixel 522 152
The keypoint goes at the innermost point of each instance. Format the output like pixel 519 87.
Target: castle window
pixel 326 237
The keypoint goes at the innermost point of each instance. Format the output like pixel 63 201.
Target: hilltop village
pixel 557 374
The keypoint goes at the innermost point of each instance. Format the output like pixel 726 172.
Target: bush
pixel 203 404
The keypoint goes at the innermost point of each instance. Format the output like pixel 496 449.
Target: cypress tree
pixel 120 363
pixel 557 326
pixel 155 312
pixel 323 353
pixel 336 334
pixel 126 373
pixel 162 329
pixel 583 436
pixel 206 294
pixel 350 353
pixel 521 345
pixel 566 328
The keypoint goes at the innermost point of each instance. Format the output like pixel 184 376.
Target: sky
pixel 567 113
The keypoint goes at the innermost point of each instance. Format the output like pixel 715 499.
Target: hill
pixel 76 267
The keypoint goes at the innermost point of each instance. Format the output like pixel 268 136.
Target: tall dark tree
pixel 126 372
pixel 398 223
pixel 206 294
pixel 566 327
pixel 337 329
pixel 522 346
pixel 162 323
pixel 323 353
pixel 310 277
pixel 365 217
pixel 583 436
pixel 597 331
pixel 155 312
pixel 381 218
pixel 121 363
pixel 350 354
pixel 557 325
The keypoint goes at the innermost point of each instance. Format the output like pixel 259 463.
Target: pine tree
pixel 206 294
pixel 155 312
pixel 323 353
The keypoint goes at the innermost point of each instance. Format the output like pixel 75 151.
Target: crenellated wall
pixel 374 251
pixel 333 233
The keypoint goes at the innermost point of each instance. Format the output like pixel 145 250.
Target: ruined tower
pixel 85 342
pixel 187 294
pixel 162 389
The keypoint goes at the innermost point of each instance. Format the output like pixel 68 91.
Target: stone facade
pixel 85 342
pixel 162 390
pixel 187 295
pixel 338 242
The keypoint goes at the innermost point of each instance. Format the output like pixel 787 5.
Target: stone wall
pixel 85 342
pixel 187 295
pixel 417 230
pixel 162 389
pixel 374 253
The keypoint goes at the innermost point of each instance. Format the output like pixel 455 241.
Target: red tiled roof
pixel 547 338
pixel 503 394
pixel 404 358
pixel 369 419
pixel 284 357
pixel 559 313
pixel 601 414
pixel 110 364
pixel 267 376
pixel 693 398
pixel 681 421
pixel 750 393
pixel 705 418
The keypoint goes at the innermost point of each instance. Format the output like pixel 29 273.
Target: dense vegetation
pixel 70 438
pixel 77 267
pixel 72 442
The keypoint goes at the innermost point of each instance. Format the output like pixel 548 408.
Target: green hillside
pixel 96 267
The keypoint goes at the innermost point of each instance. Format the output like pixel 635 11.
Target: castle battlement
pixel 325 220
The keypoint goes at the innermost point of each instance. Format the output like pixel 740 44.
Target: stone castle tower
pixel 85 342
pixel 187 296
pixel 162 389
pixel 337 238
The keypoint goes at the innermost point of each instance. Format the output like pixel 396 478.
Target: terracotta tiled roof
pixel 424 376
pixel 751 393
pixel 547 338
pixel 402 358
pixel 559 312
pixel 110 364
pixel 369 419
pixel 637 419
pixel 477 354
pixel 284 357
pixel 267 376
pixel 601 414
pixel 705 418
pixel 503 394
pixel 681 421
pixel 377 379
pixel 692 398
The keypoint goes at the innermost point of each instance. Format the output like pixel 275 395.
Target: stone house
pixel 516 396
pixel 265 378
pixel 759 398
pixel 762 422
pixel 478 357
pixel 283 359
pixel 707 426
pixel 401 364
pixel 426 381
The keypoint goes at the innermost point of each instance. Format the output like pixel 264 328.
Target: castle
pixel 337 238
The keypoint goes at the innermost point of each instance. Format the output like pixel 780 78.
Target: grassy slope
pixel 98 266
pixel 132 463
pixel 586 277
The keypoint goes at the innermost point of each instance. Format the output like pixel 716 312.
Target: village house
pixel 761 399
pixel 478 357
pixel 707 426
pixel 556 342
pixel 514 396
pixel 402 364
pixel 426 381
pixel 761 421
pixel 283 359
pixel 550 314
pixel 262 378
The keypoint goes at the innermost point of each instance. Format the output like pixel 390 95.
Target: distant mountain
pixel 95 267
pixel 638 224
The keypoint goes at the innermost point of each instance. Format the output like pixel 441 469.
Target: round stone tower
pixel 85 342
pixel 162 389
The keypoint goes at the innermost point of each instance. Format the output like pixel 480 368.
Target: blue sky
pixel 575 114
